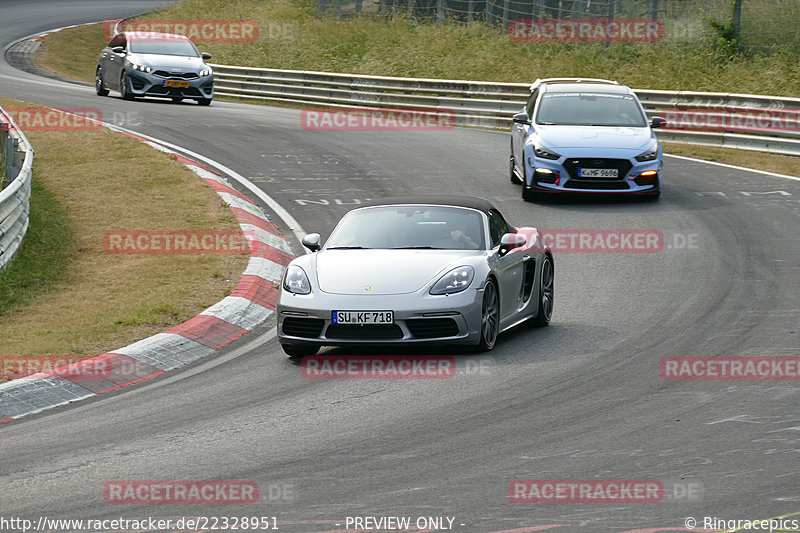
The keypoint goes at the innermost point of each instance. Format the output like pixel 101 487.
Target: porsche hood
pixel 384 272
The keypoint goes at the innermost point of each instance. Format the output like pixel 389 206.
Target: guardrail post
pixel 359 4
pixel 470 10
pixel 338 9
pixel 440 11
pixel 14 159
pixel 737 19
pixel 3 141
pixel 488 12
pixel 411 9
pixel 653 9
pixel 505 14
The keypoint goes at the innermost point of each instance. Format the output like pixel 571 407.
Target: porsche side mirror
pixel 658 122
pixel 118 49
pixel 311 241
pixel 521 118
pixel 510 241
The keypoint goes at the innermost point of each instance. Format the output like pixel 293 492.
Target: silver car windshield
pixel 590 109
pixel 410 227
pixel 161 47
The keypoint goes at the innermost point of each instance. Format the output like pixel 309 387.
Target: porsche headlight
pixel 650 154
pixel 454 281
pixel 544 153
pixel 296 281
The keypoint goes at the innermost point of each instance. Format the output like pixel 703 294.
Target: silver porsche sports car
pixel 415 270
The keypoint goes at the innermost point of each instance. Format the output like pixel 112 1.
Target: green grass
pixel 291 36
pixel 42 261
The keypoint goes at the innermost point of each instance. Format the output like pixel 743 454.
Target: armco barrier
pixel 16 187
pixel 490 104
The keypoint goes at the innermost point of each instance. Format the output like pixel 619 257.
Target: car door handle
pixel 526 258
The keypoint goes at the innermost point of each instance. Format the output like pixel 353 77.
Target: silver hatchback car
pixel 154 64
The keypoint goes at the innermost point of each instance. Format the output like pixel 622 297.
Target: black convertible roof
pixel 457 201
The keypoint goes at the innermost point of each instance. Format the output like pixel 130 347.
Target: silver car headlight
pixel 454 281
pixel 650 154
pixel 141 68
pixel 544 153
pixel 205 72
pixel 296 280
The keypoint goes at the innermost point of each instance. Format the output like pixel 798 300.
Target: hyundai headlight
pixel 454 281
pixel 296 281
pixel 544 153
pixel 649 155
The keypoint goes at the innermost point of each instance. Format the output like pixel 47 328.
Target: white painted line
pixel 764 172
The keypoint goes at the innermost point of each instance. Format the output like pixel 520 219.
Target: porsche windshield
pixel 410 227
pixel 590 109
pixel 167 47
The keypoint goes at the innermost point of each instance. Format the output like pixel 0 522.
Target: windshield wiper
pixel 416 248
pixel 347 248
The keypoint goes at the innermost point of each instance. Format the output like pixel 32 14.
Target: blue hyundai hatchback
pixel 585 136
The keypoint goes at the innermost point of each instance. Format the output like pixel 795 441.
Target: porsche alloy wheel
pixel 546 293
pixel 490 317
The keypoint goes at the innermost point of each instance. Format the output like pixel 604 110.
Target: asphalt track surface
pixel 581 399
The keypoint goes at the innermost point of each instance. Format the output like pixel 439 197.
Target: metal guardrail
pixel 15 185
pixel 491 105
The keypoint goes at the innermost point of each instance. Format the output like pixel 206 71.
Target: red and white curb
pixel 38 36
pixel 250 304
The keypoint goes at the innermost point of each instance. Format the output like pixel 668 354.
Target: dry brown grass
pixel 72 53
pixel 107 181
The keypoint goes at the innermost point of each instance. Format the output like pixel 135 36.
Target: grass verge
pixel 782 164
pixel 64 294
pixel 292 37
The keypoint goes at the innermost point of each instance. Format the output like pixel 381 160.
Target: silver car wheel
pixel 490 317
pixel 99 85
pixel 511 172
pixel 546 293
pixel 124 90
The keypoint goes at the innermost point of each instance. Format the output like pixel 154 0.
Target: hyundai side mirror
pixel 521 118
pixel 311 241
